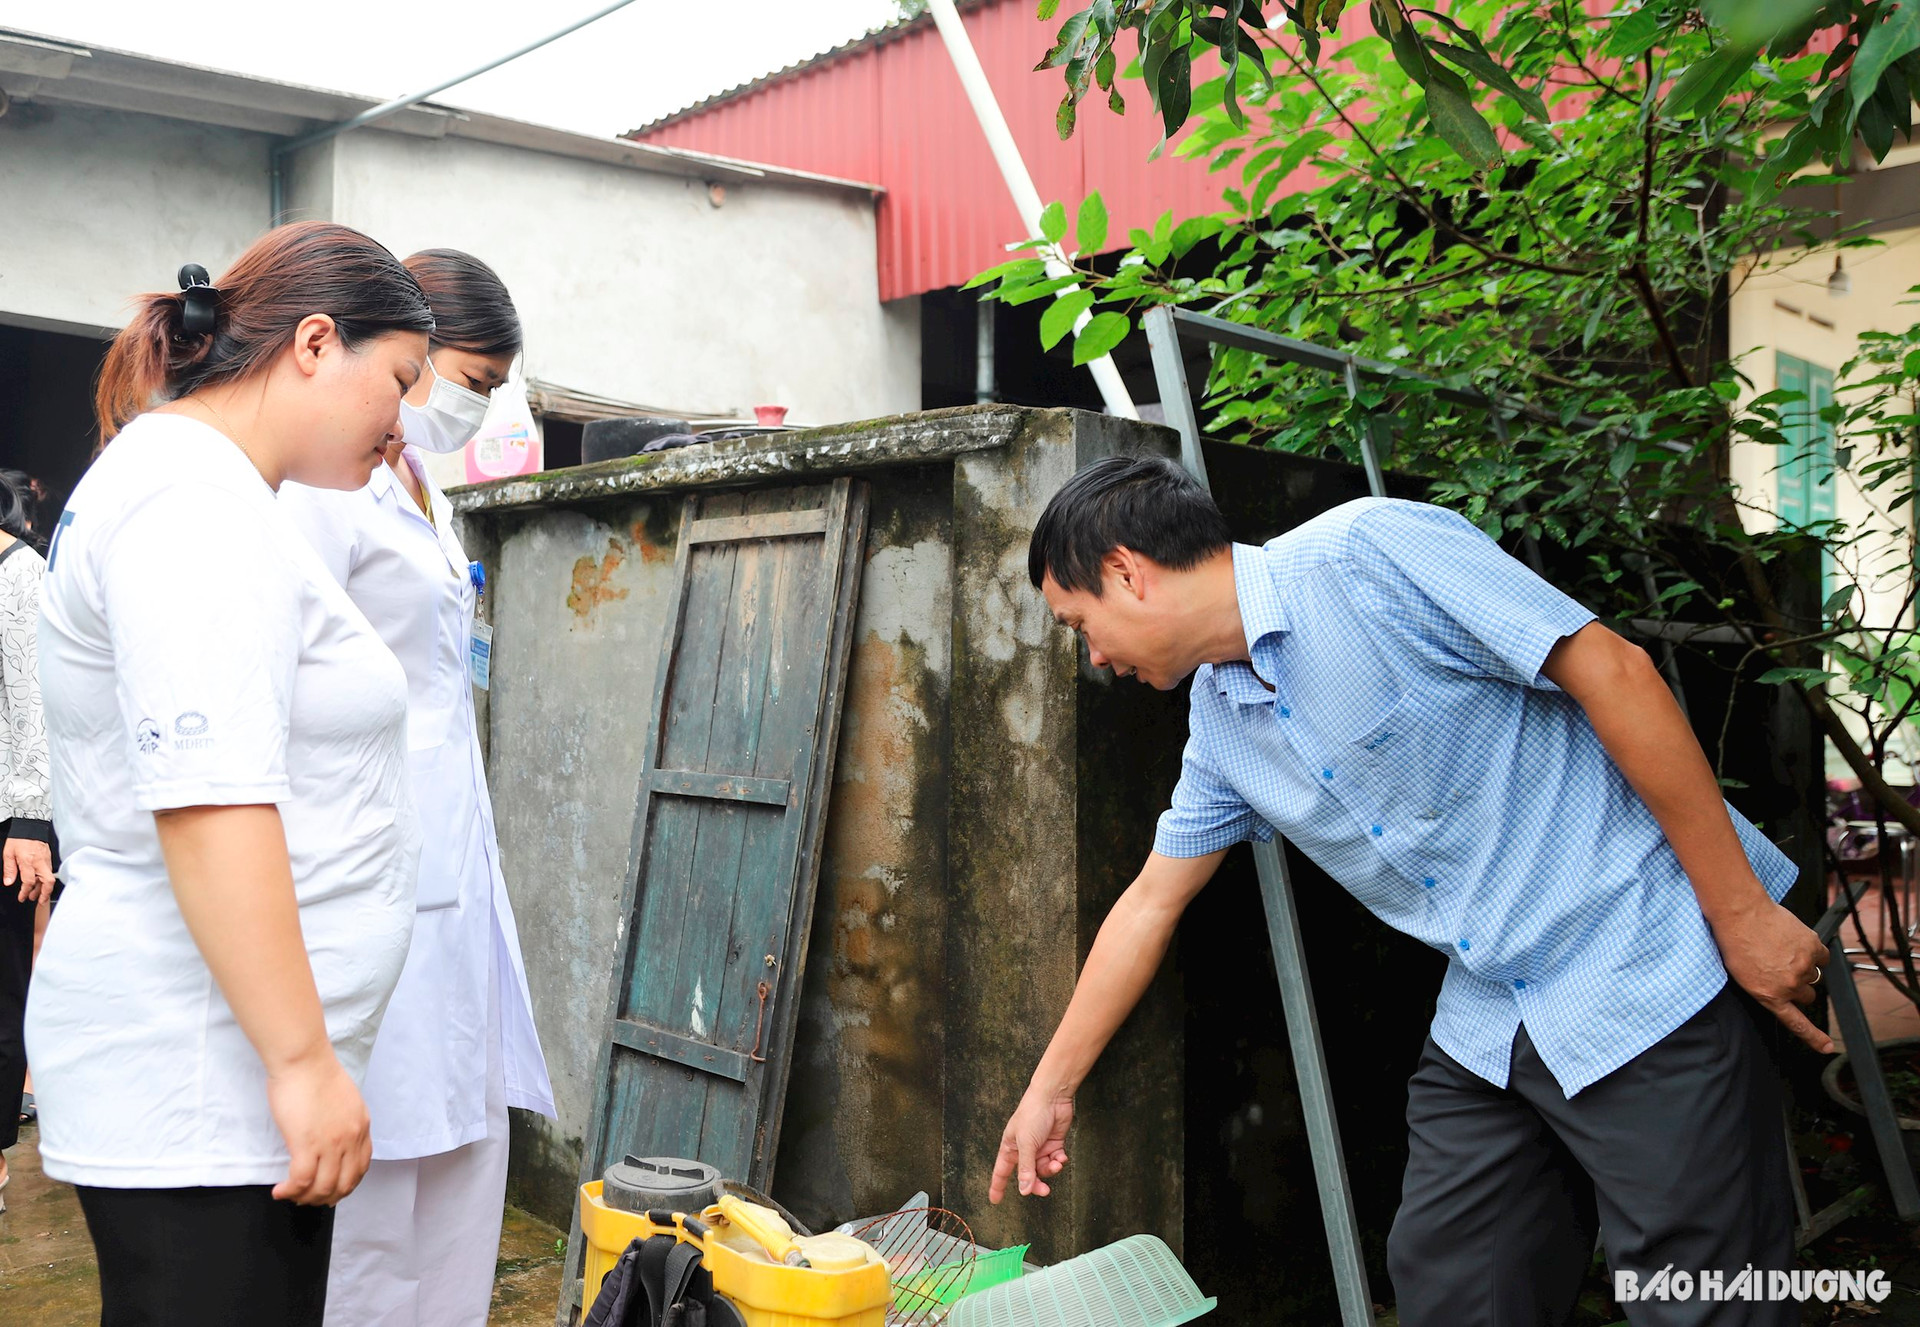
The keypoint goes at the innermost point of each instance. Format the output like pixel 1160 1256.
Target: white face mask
pixel 449 419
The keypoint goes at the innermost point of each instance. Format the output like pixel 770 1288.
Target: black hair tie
pixel 200 300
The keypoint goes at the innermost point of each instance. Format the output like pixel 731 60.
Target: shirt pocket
pixel 443 871
pixel 1415 757
pixel 448 814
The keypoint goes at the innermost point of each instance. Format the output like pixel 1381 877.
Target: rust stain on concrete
pixel 593 581
pixel 648 550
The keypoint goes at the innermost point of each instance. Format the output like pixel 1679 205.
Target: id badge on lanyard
pixel 480 643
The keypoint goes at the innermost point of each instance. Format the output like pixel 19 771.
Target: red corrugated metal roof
pixel 889 109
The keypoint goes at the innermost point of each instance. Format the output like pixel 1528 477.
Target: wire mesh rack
pixel 931 1258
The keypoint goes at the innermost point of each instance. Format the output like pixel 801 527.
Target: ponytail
pixel 153 351
pixel 286 275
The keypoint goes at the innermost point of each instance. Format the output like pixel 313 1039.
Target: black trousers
pixel 16 963
pixel 1678 1158
pixel 208 1257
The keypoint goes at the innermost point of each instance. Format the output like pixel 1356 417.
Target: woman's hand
pixel 324 1122
pixel 29 864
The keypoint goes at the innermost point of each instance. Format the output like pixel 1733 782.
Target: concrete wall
pixel 642 286
pixel 100 205
pixel 633 284
pixel 872 1046
pixel 983 816
pixel 1056 791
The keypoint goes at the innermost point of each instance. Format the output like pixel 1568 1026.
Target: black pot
pixel 1830 1080
pixel 608 439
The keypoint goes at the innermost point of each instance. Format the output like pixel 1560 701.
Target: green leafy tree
pixel 1570 235
pixel 1864 86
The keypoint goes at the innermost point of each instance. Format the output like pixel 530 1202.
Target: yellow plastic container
pixel 846 1286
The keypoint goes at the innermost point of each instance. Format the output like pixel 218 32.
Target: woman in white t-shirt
pixel 228 740
pixel 415 1245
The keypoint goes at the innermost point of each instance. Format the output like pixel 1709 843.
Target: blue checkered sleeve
pixel 1206 814
pixel 1458 596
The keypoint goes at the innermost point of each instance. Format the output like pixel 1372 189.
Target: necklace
pixel 227 431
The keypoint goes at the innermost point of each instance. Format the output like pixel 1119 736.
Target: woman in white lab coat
pixel 416 1243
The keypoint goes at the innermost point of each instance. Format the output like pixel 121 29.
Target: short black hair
pixel 17 506
pixel 1146 503
pixel 472 310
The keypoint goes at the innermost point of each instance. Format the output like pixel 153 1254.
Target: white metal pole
pixel 1020 184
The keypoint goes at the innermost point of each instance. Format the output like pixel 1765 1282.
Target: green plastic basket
pixel 943 1284
pixel 1135 1283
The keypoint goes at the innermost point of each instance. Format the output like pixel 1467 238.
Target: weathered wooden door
pixel 720 880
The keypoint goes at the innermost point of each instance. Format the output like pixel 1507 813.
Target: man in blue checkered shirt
pixel 1492 771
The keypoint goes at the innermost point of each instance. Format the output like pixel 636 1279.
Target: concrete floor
pixel 46 1260
pixel 526 1280
pixel 47 1275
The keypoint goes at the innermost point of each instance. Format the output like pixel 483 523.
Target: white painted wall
pixel 1784 305
pixel 638 286
pixel 97 206
pixel 632 284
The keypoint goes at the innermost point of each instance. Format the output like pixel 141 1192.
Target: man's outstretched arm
pixel 1768 951
pixel 1128 951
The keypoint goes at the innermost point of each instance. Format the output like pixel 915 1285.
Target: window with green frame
pixel 1806 470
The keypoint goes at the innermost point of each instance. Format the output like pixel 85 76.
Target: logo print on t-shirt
pixel 190 731
pixel 148 736
pixel 53 550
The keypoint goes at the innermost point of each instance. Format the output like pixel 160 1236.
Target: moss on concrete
pixel 546 1167
pixel 837 449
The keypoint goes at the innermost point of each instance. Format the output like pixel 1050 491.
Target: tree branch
pixel 1573 54
pixel 1413 287
pixel 1649 136
pixel 1642 282
pixel 1906 602
pixel 1638 274
pixel 1862 767
pixel 1406 190
pixel 1819 704
pixel 1726 717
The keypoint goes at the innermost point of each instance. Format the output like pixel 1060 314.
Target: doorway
pixel 46 408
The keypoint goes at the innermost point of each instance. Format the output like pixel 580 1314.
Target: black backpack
pixel 659 1282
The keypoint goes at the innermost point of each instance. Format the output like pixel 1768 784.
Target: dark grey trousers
pixel 1679 1155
